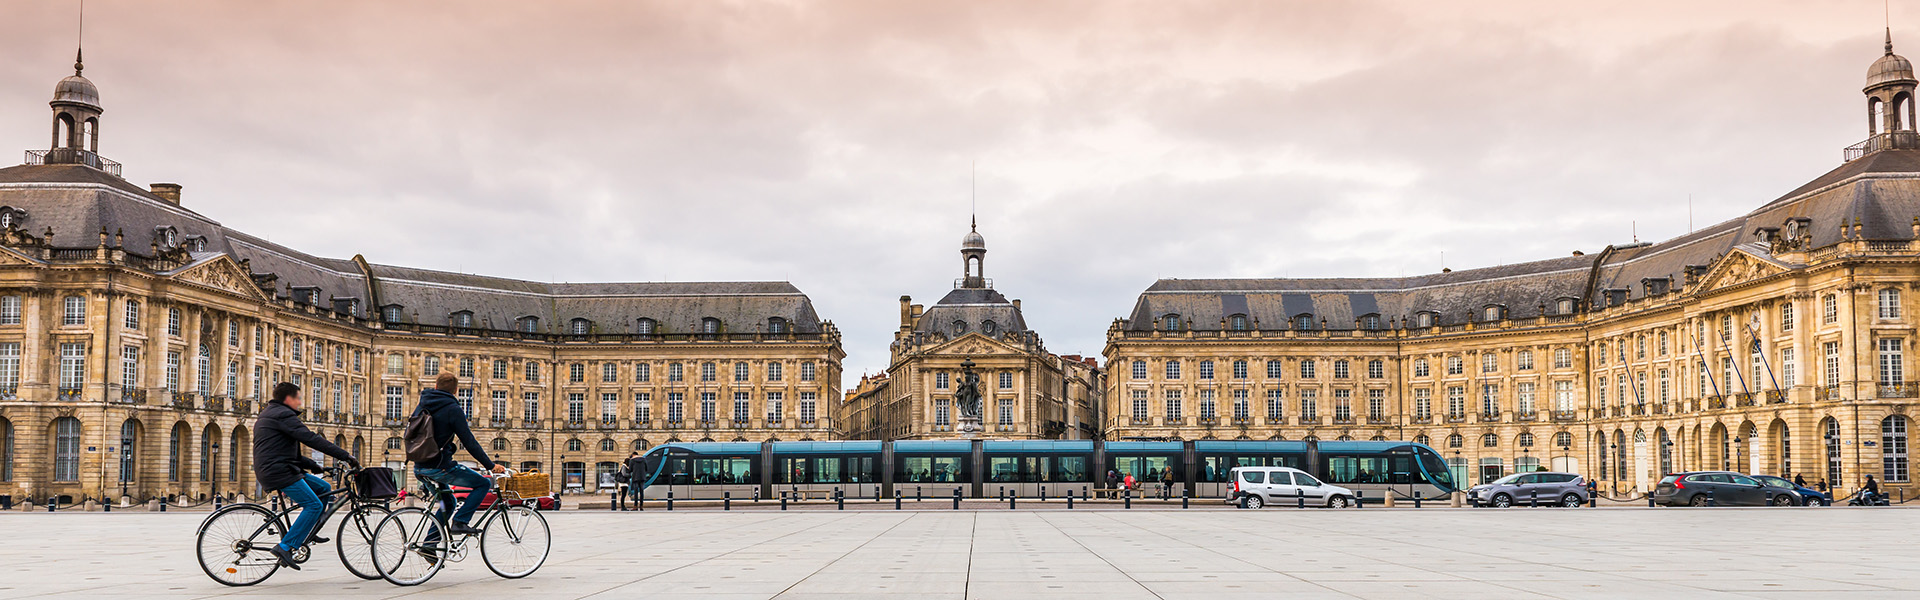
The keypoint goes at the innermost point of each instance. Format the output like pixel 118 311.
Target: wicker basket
pixel 526 485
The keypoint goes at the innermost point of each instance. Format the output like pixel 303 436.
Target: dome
pixel 973 241
pixel 77 90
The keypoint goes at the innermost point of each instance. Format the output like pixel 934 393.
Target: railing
pixel 9 393
pixel 1563 415
pixel 245 407
pixel 1490 417
pixel 1884 141
pixel 1139 422
pixel 70 394
pixel 132 396
pixel 1460 418
pixel 576 425
pixel 609 424
pixel 530 423
pixel 73 156
pixel 182 400
pixel 1340 420
pixel 809 424
pixel 1310 420
pixel 1660 409
pixel 1209 421
pixel 962 282
pixel 1423 420
pixel 1896 390
pixel 1776 396
pixel 1379 420
pixel 1242 421
pixel 1888 246
pixel 1743 399
pixel 1526 415
pixel 1639 410
pixel 1824 393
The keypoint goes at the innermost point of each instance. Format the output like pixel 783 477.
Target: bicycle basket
pixel 375 483
pixel 526 485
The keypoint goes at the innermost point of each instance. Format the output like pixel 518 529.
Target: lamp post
pixel 1526 456
pixel 1736 453
pixel 126 458
pixel 213 467
pixel 1565 450
pixel 1612 451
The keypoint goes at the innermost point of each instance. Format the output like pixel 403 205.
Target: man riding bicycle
pixel 449 422
pixel 278 464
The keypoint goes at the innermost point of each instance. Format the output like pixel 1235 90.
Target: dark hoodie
pixel 277 437
pixel 449 421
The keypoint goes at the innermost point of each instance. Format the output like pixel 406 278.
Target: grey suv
pixel 1721 488
pixel 1562 489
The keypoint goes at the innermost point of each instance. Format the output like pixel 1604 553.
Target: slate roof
pixel 1879 191
pixel 974 306
pixel 77 201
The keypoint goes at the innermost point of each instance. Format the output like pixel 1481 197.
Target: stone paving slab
pixel 1057 555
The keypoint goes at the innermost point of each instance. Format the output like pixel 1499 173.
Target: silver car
pixel 1551 489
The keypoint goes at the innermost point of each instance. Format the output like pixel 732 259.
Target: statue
pixel 966 397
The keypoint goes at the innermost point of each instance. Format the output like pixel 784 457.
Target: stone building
pixel 138 338
pixel 1026 392
pixel 1775 342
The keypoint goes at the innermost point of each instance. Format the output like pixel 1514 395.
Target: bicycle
pixel 234 543
pixel 411 544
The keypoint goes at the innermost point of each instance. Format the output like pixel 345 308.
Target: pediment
pixel 10 258
pixel 1738 267
pixel 973 344
pixel 220 273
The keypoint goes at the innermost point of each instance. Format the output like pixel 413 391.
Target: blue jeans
pixel 306 493
pixel 462 477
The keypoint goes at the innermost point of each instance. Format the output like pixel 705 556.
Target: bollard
pixel 1013 500
pixel 613 501
pixel 1300 498
pixel 896 499
pixel 1043 493
pixel 839 500
pixel 163 506
pixel 1710 501
pixel 956 498
pixel 51 506
pixel 1069 499
pixel 1593 499
pixel 756 495
pixel 669 500
pixel 918 495
pixel 1359 498
pixel 726 500
pixel 1533 499
pixel 1416 498
pixel 1003 492
pixel 783 500
pixel 106 506
pixel 1184 496
pixel 1388 499
pixel 1649 500
pixel 1128 495
pixel 216 502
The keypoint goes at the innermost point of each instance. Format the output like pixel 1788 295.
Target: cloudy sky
pixel 831 144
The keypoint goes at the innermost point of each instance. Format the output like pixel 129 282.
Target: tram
pixel 1030 468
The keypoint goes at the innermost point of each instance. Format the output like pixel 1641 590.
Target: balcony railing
pixel 609 423
pixel 1526 415
pixel 576 425
pixel 1379 420
pixel 1716 402
pixel 70 394
pixel 132 396
pixel 1490 417
pixel 1743 399
pixel 1564 415
pixel 1459 418
pixel 1776 396
pixel 1825 393
pixel 1423 419
pixel 1310 420
pixel 1896 390
pixel 809 424
pixel 73 156
pixel 1884 141
pixel 530 423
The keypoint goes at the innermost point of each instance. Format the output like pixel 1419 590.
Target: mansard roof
pixel 975 306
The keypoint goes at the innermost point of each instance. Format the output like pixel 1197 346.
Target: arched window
pixel 1170 322
pixel 390 313
pixel 1491 313
pixel 1423 440
pixel 1525 440
pixel 533 444
pixel 606 445
pixel 709 326
pixel 1666 450
pixel 6 449
pixel 776 325
pixel 989 327
pixel 499 444
pixel 1490 440
pixel 647 326
pixel 579 326
pixel 1303 321
pixel 1370 322
pixel 1237 322
pixel 1563 306
pixel 573 445
pixel 1620 454
pixel 1423 320
pixel 1893 449
pixel 1830 434
pixel 66 449
pixel 1455 441
pixel 393 443
pixel 1876 115
pixel 63 130
pixel 1563 439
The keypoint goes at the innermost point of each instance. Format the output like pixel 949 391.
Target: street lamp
pixel 1736 453
pixel 1667 448
pixel 1526 457
pixel 126 458
pixel 213 467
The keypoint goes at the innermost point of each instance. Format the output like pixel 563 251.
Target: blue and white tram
pixel 1030 468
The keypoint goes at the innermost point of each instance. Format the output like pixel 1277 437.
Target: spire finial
pixel 974 197
pixel 80 41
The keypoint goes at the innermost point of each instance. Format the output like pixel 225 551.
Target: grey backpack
pixel 419 438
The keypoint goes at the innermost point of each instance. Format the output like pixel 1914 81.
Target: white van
pixel 1256 487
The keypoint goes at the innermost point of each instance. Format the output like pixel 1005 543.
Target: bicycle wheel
pixel 409 546
pixel 234 545
pixel 515 541
pixel 354 539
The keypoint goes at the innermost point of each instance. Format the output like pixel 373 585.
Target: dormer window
pixel 462 319
pixel 196 243
pixel 347 306
pixel 1303 321
pixel 1563 306
pixel 1170 322
pixel 579 326
pixel 710 326
pixel 647 326
pixel 166 237
pixel 306 295
pixel 989 327
pixel 776 325
pixel 1237 322
pixel 12 218
pixel 959 328
pixel 1370 322
pixel 1423 320
pixel 528 324
pixel 1491 313
pixel 390 313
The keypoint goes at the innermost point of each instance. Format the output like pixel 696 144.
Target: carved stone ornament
pixel 222 274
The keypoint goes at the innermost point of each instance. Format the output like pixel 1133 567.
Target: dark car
pixel 1721 488
pixel 1548 488
pixel 1808 496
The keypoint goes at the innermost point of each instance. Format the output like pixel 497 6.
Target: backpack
pixel 620 476
pixel 419 438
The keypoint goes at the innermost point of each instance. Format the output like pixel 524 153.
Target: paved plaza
pixel 1060 555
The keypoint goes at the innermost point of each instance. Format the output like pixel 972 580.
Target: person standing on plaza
pixel 449 426
pixel 278 464
pixel 637 474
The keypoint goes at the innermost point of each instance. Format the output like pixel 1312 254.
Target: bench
pixel 1108 492
pixel 809 494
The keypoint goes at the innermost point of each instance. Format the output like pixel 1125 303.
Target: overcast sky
pixel 829 144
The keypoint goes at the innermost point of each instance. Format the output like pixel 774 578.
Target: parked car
pixel 1808 496
pixel 1256 487
pixel 1721 488
pixel 549 502
pixel 1554 489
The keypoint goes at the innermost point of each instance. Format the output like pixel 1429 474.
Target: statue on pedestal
pixel 966 396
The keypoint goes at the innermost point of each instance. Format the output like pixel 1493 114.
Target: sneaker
pixel 285 556
pixel 463 529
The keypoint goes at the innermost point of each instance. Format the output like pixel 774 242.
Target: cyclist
pixel 450 422
pixel 278 464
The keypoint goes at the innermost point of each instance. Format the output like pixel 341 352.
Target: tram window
pixel 1357 469
pixel 810 470
pixel 1143 468
pixel 1036 469
pixel 723 470
pixel 939 469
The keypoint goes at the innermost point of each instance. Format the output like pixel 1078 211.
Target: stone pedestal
pixel 90 506
pixel 153 505
pixel 970 427
pixel 1387 500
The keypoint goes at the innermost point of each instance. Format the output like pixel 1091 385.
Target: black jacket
pixel 449 422
pixel 277 436
pixel 637 470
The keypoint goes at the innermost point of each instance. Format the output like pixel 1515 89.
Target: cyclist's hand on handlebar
pixel 499 468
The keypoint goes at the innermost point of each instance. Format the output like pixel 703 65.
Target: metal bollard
pixel 783 500
pixel 1069 499
pixel 756 495
pixel 669 500
pixel 1710 501
pixel 839 499
pixel 613 501
pixel 51 503
pixel 216 501
pixel 1003 492
pixel 1649 500
pixel 1300 498
pixel 1184 496
pixel 1128 495
pixel 896 499
pixel 1416 498
pixel 1593 499
pixel 106 506
pixel 164 503
pixel 726 500
pixel 956 498
pixel 1359 497
pixel 1013 501
pixel 1043 493
pixel 1533 499
pixel 918 495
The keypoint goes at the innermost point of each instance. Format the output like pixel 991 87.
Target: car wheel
pixel 1571 500
pixel 1337 502
pixel 1252 501
pixel 1502 501
pixel 1697 500
pixel 1783 500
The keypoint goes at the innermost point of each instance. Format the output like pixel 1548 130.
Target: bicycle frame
pixel 333 500
pixel 442 494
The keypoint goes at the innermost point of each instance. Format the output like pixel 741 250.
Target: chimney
pixel 167 191
pixel 906 311
pixel 1016 304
